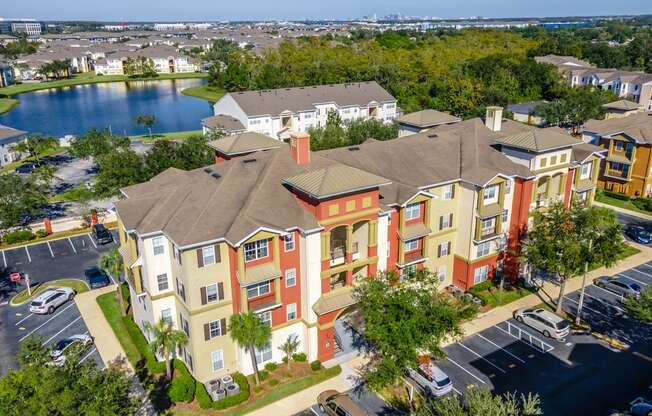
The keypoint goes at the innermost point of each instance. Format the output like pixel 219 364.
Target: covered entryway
pixel 349 330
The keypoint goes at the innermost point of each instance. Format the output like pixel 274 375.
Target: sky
pixel 215 10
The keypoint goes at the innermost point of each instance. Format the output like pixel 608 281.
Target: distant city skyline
pixel 207 10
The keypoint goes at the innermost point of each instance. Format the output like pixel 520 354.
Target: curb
pixel 629 212
pixel 12 303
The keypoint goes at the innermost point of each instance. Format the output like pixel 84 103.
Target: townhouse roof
pixel 335 180
pixel 427 118
pixel 244 143
pixel 582 151
pixel 8 133
pixel 274 102
pixel 539 140
pixel 621 105
pixel 224 122
pixel 559 60
pixel 525 108
pixel 638 126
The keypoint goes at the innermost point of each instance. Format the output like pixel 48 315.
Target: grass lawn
pixel 205 92
pixel 90 78
pixel 79 193
pixel 6 104
pixel 111 310
pixel 173 135
pixel 78 285
pixel 494 296
pixel 620 204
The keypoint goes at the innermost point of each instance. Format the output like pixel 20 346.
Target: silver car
pixel 51 299
pixel 620 286
pixel 546 322
pixel 58 354
pixel 432 379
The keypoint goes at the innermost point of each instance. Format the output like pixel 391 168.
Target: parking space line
pixel 62 329
pixel 638 271
pixel 457 391
pixel 72 245
pixel 482 358
pixel 605 302
pixel 28 256
pixel 50 247
pixel 632 279
pixel 544 345
pixel 4 258
pixel 496 345
pixel 646 265
pixel 88 355
pixel 586 307
pixel 40 326
pixel 466 371
pixel 91 238
pixel 17 323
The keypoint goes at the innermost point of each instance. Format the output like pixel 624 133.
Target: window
pixel 586 171
pixel 619 146
pixel 208 255
pixel 505 216
pixel 258 289
pixel 445 221
pixel 266 317
pixel 217 358
pixel 166 315
pixel 444 249
pixel 490 194
pixel 256 250
pixel 162 280
pixel 543 162
pixel 488 226
pixel 291 311
pixel 562 158
pixel 482 249
pixel 289 242
pixel 264 354
pixel 508 186
pixel 408 271
pixel 412 211
pixel 214 329
pixel 212 293
pixel 181 290
pixel 411 245
pixel 290 277
pixel 441 273
pixel 449 192
pixel 480 274
pixel 553 160
pixel 158 243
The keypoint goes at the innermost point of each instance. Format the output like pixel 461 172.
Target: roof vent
pixel 216 175
pixel 246 161
pixel 354 148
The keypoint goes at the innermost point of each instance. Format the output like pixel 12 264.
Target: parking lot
pixel 57 259
pixel 511 356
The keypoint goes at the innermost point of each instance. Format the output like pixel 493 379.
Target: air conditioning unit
pixel 232 389
pixel 219 394
pixel 226 380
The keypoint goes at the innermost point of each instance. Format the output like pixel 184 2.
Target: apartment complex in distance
pixel 164 59
pixel 277 113
pixel 274 228
pixel 632 85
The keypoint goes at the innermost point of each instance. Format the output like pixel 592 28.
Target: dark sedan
pixel 96 277
pixel 102 235
pixel 638 234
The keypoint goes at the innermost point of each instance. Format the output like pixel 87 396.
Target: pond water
pixel 75 110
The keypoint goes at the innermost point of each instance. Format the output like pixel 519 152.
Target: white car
pixel 432 379
pixel 58 354
pixel 546 322
pixel 51 299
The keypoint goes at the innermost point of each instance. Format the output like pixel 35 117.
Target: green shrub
pixel 481 287
pixel 273 382
pixel 271 366
pixel 204 400
pixel 263 375
pixel 285 360
pixel 315 365
pixel 153 365
pixel 642 203
pixel 258 389
pixel 41 233
pixel 18 236
pixel 182 388
pixel 617 195
pixel 299 357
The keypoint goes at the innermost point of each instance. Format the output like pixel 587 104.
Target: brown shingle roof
pixel 538 140
pixel 335 180
pixel 622 105
pixel 637 126
pixel 584 150
pixel 224 122
pixel 10 133
pixel 244 143
pixel 427 118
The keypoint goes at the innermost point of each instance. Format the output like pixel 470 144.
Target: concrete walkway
pixel 105 339
pixel 624 211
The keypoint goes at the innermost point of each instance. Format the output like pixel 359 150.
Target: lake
pixel 75 110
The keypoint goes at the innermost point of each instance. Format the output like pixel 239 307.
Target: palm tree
pixel 146 120
pixel 113 264
pixel 250 332
pixel 165 341
pixel 289 347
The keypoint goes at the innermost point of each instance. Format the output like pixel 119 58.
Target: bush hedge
pixel 643 203
pixel 271 366
pixel 315 365
pixel 182 387
pixel 18 236
pixel 481 287
pixel 299 357
pixel 263 375
pixel 205 401
pixel 273 382
pixel 42 233
pixel 617 195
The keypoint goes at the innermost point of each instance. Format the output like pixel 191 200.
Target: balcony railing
pixel 617 173
pixel 413 256
pixel 338 252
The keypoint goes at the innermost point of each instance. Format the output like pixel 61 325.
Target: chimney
pixel 300 147
pixel 494 118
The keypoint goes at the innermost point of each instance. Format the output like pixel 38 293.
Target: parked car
pixel 51 299
pixel 58 354
pixel 27 167
pixel 96 277
pixel 431 379
pixel 102 235
pixel 638 234
pixel 546 322
pixel 619 286
pixel 334 403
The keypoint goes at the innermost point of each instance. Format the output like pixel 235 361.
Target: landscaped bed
pixel 492 295
pixel 78 285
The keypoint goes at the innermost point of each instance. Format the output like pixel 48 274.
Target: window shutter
pixel 450 220
pixel 449 247
pixel 217 253
pixel 180 320
pixel 223 326
pixel 207 333
pixel 220 290
pixel 441 222
pixel 452 191
pixel 204 299
pixel 200 258
pixel 439 250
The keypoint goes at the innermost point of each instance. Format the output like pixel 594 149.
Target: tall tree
pixel 251 333
pixel 113 264
pixel 44 175
pixel 116 169
pixel 147 121
pixel 165 340
pixel 19 200
pixel 403 319
pixel 95 143
pixel 479 401
pixel 36 145
pixel 289 347
pixel 193 153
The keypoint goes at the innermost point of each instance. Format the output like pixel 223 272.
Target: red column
pixel 48 225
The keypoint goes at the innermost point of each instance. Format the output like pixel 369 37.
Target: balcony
pixel 618 174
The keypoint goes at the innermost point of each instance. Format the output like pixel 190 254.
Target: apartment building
pixel 274 228
pixel 277 113
pixel 8 138
pixel 28 28
pixel 164 59
pixel 628 143
pixel 633 85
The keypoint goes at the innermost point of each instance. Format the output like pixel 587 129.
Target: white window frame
pixel 488 224
pixel 291 312
pixel 208 255
pixel 256 250
pixel 158 282
pixel 412 211
pixel 447 193
pixel 166 315
pixel 480 274
pixel 158 245
pixel 411 245
pixel 483 249
pixel 585 173
pixel 290 277
pixel 289 242
pixel 266 317
pixel 443 249
pixel 220 354
pixel 505 216
pixel 490 195
pixel 442 271
pixel 217 327
pixel 257 288
pixel 446 222
pixel 209 294
pixel 508 186
pixel 262 354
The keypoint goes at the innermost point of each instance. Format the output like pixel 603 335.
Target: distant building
pixel 524 112
pixel 620 108
pixel 8 138
pixel 165 59
pixel 29 28
pixel 169 26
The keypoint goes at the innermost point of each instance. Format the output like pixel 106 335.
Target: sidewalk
pixel 624 211
pixel 105 340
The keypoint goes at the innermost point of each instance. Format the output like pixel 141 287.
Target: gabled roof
pixel 638 126
pixel 224 122
pixel 525 108
pixel 581 152
pixel 621 105
pixel 10 133
pixel 244 143
pixel 427 118
pixel 560 60
pixel 539 140
pixel 335 180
